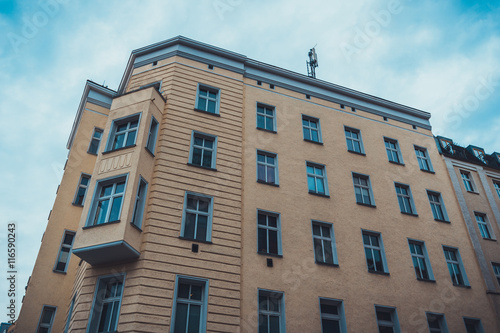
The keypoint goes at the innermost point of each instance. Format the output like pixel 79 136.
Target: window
pixel 420 259
pixel 95 141
pixel 107 202
pixel 482 223
pixel 190 305
pixel 424 162
pixel 203 150
pixel 455 266
pixel 467 179
pixel 123 132
pixel 106 306
pixel 447 145
pixel 70 313
pixel 473 325
pixel 82 189
pixel 353 139
pixel 311 129
pixel 496 270
pixel 46 319
pixel 479 154
pixel 271 312
pixel 374 252
pixel 208 99
pixel 387 319
pixel 153 132
pixel 436 323
pixel 405 199
pixel 316 179
pixel 332 316
pixel 437 206
pixel 140 202
pixel 324 243
pixel 362 189
pixel 197 221
pixel 267 167
pixel 266 117
pixel 268 233
pixel 497 188
pixel 392 150
pixel 64 252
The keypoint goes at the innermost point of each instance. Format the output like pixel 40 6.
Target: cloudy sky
pixel 438 56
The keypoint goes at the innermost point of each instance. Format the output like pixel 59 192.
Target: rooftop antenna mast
pixel 312 63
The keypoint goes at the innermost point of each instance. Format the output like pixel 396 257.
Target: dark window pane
pixel 261 219
pixel 263 323
pixel 274 324
pixel 273 241
pixel 207 159
pixel 190 225
pixel 131 138
pixel 384 329
pixel 183 291
pixel 115 209
pixel 330 326
pixel 180 318
pixel 269 123
pixel 384 315
pixel 329 309
pixel 194 319
pixel 201 232
pixel 262 240
pixel 272 221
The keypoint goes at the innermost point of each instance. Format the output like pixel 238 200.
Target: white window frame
pixel 316 177
pixel 209 89
pixel 92 216
pixel 209 215
pixel 140 203
pixel 47 325
pixel 118 122
pixel 457 262
pixel 310 129
pixel 443 327
pixel 350 138
pixel 483 225
pixel 81 186
pixel 265 115
pixel 496 271
pixel 380 247
pixel 152 135
pixel 391 152
pixel 392 311
pixel 409 196
pixel 95 139
pixel 423 157
pixel 204 136
pixel 280 297
pixel 424 256
pixel 64 246
pixel 468 181
pixel 267 165
pixel 322 238
pixel 437 204
pixel 203 303
pixel 340 317
pixel 478 325
pixel 267 228
pixel 362 187
pixel 99 299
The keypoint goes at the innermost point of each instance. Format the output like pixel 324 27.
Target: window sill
pixel 195 240
pixel 397 163
pixel 462 286
pixel 355 152
pixel 312 141
pixel 426 280
pixel 136 227
pixel 409 214
pixel 379 273
pixel 206 112
pixel 367 205
pixel 99 225
pixel 76 205
pixel 201 166
pixel 428 171
pixel 494 292
pixel 95 154
pixel 267 183
pixel 319 194
pixel 149 151
pixel 490 239
pixel 270 254
pixel 472 192
pixel 326 264
pixel 442 221
pixel 266 130
pixel 59 272
pixel 118 149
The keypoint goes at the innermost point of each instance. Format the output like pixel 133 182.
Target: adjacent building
pixel 214 193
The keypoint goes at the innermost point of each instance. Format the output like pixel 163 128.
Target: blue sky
pixel 438 56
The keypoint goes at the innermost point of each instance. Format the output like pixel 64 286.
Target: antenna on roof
pixel 312 63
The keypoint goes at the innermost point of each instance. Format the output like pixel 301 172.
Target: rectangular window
pixel 332 316
pixel 393 151
pixel 266 117
pixel 482 223
pixel 267 167
pixel 95 141
pixel 311 129
pixel 106 306
pixel 374 252
pixel 421 262
pixel 197 221
pixel 436 323
pixel 153 133
pixel 107 202
pixel 447 145
pixel 268 233
pixel 64 251
pixel 271 312
pixel 324 243
pixel 424 162
pixel 496 270
pixel 190 305
pixel 123 132
pixel 437 206
pixel 46 319
pixel 467 179
pixel 140 202
pixel 316 179
pixel 203 150
pixel 353 139
pixel 479 154
pixel 473 325
pixel 362 189
pixel 405 199
pixel 455 266
pixel 81 190
pixel 497 188
pixel 208 99
pixel 387 319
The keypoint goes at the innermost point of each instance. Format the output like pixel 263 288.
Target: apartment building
pixel 217 193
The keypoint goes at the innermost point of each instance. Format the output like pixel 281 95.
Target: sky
pixel 442 57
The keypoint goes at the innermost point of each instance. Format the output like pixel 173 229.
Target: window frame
pixel 266 165
pixel 96 309
pixel 486 226
pixel 409 196
pixel 204 283
pixel 380 247
pixel 439 203
pixel 265 115
pixel 323 176
pixel 331 238
pixel 139 203
pixel 120 121
pixel 424 256
pixel 310 129
pixel 366 187
pixel 468 179
pixel 425 158
pixel 66 246
pixel 277 295
pixel 479 154
pixel 443 326
pixel 48 307
pixel 392 151
pixel 204 136
pixel 340 317
pixel 459 263
pixel 93 139
pixel 359 140
pixel 474 321
pixel 70 313
pixel 85 187
pixel 267 227
pixel 217 91
pixel 152 135
pixel 496 271
pixel 209 214
pixel 496 186
pixel 394 318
